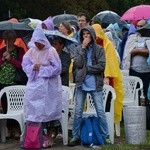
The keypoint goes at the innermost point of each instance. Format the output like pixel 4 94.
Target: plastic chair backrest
pixel 125 72
pixel 106 90
pixel 14 95
pixel 131 90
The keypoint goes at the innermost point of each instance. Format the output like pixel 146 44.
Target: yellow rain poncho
pixel 112 71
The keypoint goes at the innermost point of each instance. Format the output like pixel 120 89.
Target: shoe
pixel 74 142
pixel 107 141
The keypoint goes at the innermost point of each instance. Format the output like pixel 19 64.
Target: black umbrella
pixel 145 30
pixel 55 33
pixel 22 30
pixel 64 17
pixel 107 17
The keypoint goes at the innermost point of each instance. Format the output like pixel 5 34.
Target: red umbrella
pixel 137 13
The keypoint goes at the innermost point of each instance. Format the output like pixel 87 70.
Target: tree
pixel 41 9
pixel 10 9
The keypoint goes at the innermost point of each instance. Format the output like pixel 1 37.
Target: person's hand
pixel 6 55
pixel 37 67
pixel 106 81
pixel 85 42
pixel 134 50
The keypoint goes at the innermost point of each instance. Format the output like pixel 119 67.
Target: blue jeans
pixel 80 97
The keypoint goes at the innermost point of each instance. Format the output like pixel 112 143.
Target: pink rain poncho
pixel 43 97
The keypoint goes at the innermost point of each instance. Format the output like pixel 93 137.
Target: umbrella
pixel 107 17
pixel 137 13
pixel 51 34
pixel 145 31
pixel 64 17
pixel 21 29
pixel 31 22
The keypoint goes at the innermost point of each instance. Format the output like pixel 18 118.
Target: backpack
pixel 32 138
pixel 90 132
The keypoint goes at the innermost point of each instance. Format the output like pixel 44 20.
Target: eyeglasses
pixel 140 26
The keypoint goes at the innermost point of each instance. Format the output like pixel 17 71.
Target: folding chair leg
pixel 3 129
pixel 117 129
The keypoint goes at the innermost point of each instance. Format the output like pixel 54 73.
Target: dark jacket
pixel 98 61
pixel 65 61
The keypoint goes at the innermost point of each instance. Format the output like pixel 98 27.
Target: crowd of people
pixel 96 60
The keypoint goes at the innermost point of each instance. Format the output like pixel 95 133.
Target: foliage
pixel 41 9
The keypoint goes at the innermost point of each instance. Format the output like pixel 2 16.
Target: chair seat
pixel 109 115
pixel 10 116
pixel 15 95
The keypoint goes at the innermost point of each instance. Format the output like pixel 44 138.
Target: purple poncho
pixel 43 97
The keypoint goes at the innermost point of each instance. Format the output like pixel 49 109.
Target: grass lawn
pixel 121 143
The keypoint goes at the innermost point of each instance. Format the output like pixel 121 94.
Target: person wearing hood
pixel 43 96
pixel 89 60
pixel 47 24
pixel 112 71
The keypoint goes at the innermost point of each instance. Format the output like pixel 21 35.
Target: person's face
pixel 10 41
pixel 40 46
pixel 82 22
pixel 63 29
pixel 140 24
pixel 57 45
pixel 44 26
pixel 87 35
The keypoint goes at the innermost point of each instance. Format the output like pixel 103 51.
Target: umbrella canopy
pixel 64 17
pixel 137 13
pixel 31 22
pixel 21 29
pixel 145 31
pixel 107 17
pixel 51 34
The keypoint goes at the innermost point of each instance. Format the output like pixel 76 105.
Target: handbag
pixel 32 137
pixel 20 77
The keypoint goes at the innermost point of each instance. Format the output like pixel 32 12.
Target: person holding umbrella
pixel 10 59
pixel 59 44
pixel 19 42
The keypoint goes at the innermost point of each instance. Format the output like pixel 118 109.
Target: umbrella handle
pixel 6 45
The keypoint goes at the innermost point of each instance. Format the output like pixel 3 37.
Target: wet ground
pixel 14 145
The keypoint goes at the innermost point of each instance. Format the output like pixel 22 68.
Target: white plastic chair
pixel 131 91
pixel 131 94
pixel 15 95
pixel 125 72
pixel 71 102
pixel 109 114
pixel 66 97
pixel 71 106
